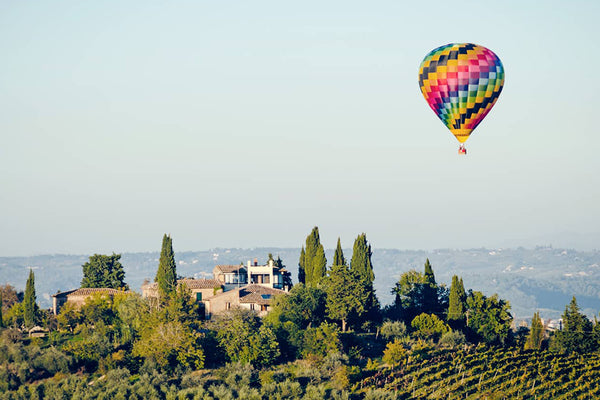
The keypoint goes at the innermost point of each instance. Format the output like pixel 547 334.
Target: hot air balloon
pixel 461 83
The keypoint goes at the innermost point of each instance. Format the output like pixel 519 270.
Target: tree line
pixel 330 326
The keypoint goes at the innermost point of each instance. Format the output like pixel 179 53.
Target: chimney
pixel 271 263
pixel 256 262
pixel 249 263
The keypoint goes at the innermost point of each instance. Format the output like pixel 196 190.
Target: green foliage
pixel 452 339
pixel 338 256
pixel 303 305
pixel 88 348
pixel 234 328
pixel 321 340
pixel 457 301
pixel 69 317
pixel 98 307
pixel 166 275
pixel 171 344
pixel 131 311
pixel 262 349
pixel 418 293
pixel 429 326
pixel 301 267
pixel 362 267
pixel 577 334
pixel 102 271
pixel 14 315
pixel 392 330
pixel 360 263
pixel 347 294
pixel 313 261
pixel 245 340
pixel 410 295
pixel 182 306
pixel 30 307
pixel 489 317
pixel 394 354
pixel 536 333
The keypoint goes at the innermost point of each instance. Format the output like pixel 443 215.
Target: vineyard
pixel 489 373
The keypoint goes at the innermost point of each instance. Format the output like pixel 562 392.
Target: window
pixel 252 306
pixel 228 306
pixel 198 296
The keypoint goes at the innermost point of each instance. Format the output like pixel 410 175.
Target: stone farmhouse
pixel 252 287
pixel 79 296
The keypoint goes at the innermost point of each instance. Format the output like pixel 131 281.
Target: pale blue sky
pixel 244 124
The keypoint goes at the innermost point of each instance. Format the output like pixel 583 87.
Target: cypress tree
pixel 30 307
pixel 315 263
pixel 338 256
pixel 430 290
pixel 536 333
pixel 362 268
pixel 457 301
pixel 429 276
pixel 166 276
pixel 301 266
pixel 361 259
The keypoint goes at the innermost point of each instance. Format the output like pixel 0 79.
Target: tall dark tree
pixel 301 267
pixel 338 256
pixel 430 290
pixel 315 263
pixel 362 268
pixel 30 307
pixel 457 302
pixel 576 335
pixel 361 258
pixel 103 271
pixel 536 333
pixel 166 276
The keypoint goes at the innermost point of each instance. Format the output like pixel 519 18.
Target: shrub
pixel 452 339
pixel 391 330
pixel 394 353
pixel 429 326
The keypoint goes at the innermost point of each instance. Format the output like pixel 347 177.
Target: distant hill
pixel 542 278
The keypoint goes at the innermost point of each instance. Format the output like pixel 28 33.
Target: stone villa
pixel 251 286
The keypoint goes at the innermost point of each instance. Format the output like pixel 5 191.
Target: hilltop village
pixel 249 332
pixel 251 286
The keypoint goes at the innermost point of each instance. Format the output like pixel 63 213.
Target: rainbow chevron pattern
pixel 461 83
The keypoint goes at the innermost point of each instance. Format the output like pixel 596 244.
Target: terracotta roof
pixel 229 268
pixel 258 294
pixel 200 283
pixel 89 291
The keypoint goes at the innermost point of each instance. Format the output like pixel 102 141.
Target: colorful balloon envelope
pixel 461 83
